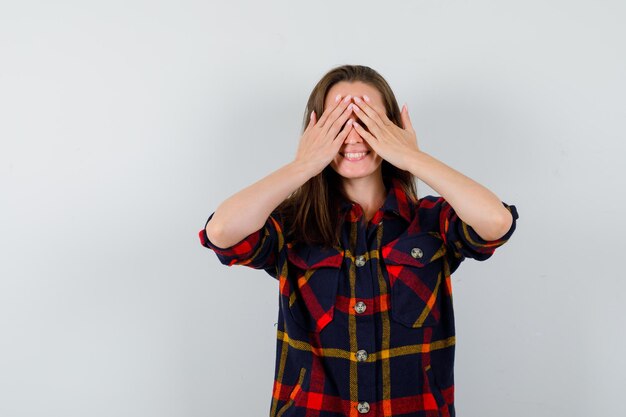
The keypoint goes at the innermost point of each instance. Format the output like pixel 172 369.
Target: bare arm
pixel 475 204
pixel 247 211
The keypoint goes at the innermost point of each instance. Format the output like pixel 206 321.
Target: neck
pixel 368 192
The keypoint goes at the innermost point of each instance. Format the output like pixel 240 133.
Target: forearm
pixel 247 211
pixel 475 204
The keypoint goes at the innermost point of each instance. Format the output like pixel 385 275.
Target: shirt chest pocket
pixel 312 281
pixel 414 268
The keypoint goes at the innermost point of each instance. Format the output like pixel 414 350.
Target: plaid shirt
pixel 366 329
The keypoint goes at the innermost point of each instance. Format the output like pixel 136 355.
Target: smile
pixel 354 156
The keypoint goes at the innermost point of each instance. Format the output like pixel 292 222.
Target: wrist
pixel 303 169
pixel 415 161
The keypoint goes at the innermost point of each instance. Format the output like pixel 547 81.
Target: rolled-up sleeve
pixel 258 250
pixel 460 238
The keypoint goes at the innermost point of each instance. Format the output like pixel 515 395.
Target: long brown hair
pixel 310 213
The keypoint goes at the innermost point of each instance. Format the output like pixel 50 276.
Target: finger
pixel 329 109
pixel 379 116
pixel 311 121
pixel 337 124
pixel 342 134
pixel 371 139
pixel 406 120
pixel 335 112
pixel 372 126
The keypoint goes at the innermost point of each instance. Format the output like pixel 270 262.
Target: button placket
pixel 364 280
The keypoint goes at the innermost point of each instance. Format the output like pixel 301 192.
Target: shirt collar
pixel 396 202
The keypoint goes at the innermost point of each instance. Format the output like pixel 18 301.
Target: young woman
pixel 365 322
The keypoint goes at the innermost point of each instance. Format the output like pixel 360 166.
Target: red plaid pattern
pixel 366 328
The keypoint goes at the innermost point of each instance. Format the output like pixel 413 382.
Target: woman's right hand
pixel 322 139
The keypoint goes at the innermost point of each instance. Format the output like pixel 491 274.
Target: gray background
pixel 125 123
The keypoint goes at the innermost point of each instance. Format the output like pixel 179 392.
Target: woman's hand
pixel 322 139
pixel 391 142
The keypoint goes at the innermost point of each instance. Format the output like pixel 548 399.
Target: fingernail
pixel 337 98
pixel 347 98
pixel 366 98
pixel 358 100
pixel 350 106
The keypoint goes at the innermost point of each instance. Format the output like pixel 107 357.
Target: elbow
pixel 498 227
pixel 221 238
pixel 505 223
pixel 214 233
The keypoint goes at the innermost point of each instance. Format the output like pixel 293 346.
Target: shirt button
pixel 360 260
pixel 360 307
pixel 361 355
pixel 363 407
pixel 417 253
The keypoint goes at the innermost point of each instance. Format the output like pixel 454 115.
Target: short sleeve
pixel 460 238
pixel 258 250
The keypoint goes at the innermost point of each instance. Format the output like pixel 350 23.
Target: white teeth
pixel 355 155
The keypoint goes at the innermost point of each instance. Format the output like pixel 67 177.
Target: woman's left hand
pixel 391 142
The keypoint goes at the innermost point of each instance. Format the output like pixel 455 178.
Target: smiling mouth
pixel 354 156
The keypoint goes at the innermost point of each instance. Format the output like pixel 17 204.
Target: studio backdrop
pixel 124 124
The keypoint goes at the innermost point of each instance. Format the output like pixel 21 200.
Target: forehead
pixel 356 88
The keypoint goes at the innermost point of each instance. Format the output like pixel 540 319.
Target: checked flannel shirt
pixel 366 329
